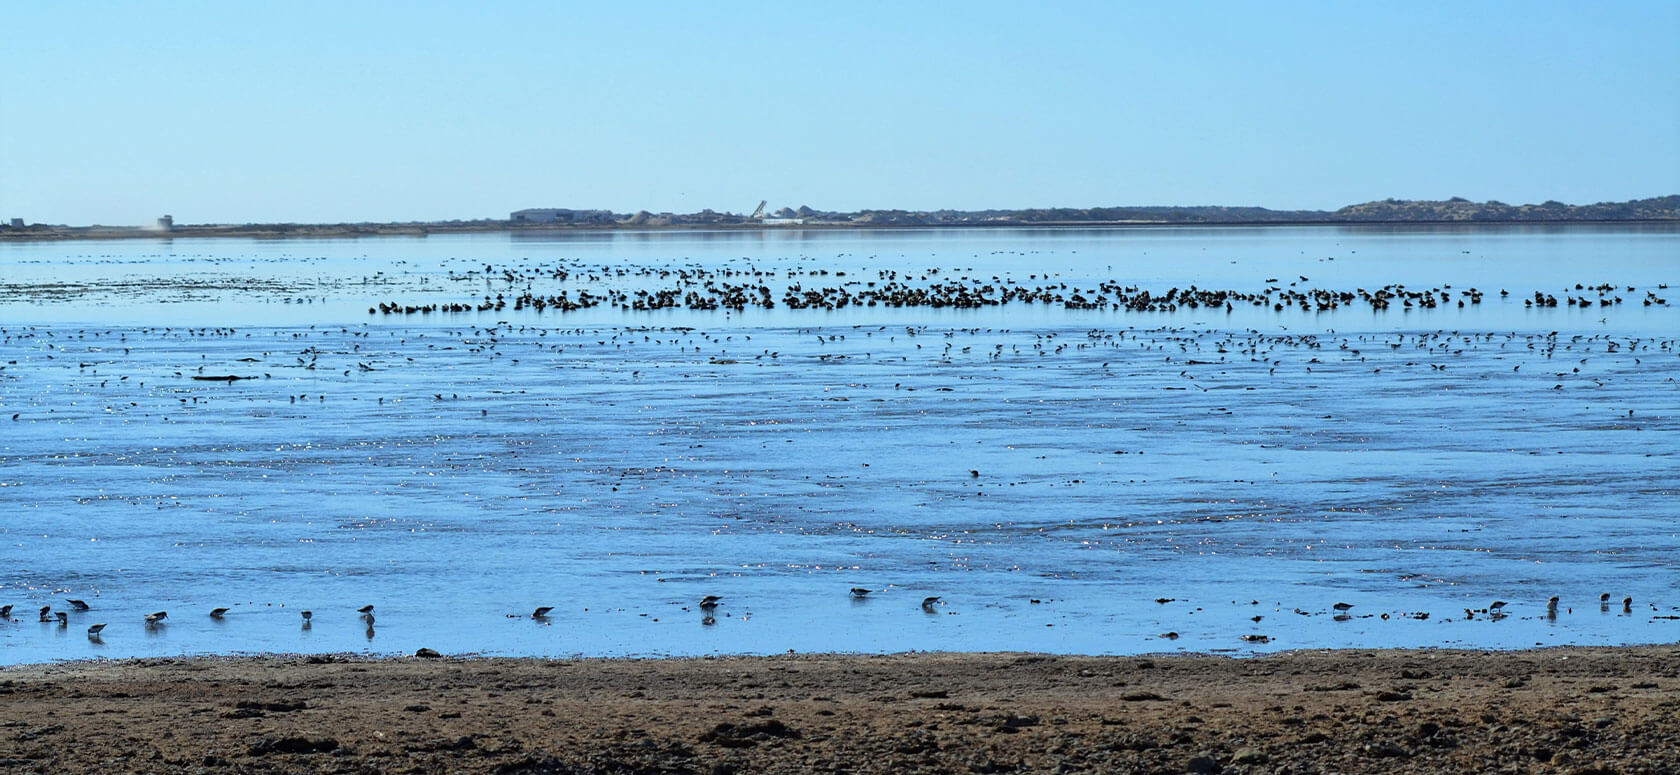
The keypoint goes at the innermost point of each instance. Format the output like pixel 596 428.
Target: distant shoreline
pixel 1387 213
pixel 39 233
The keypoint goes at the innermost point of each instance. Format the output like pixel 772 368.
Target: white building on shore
pixel 560 215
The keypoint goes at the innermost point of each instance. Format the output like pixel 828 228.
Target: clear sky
pixel 222 112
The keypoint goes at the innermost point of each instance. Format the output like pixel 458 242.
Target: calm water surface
pixel 1049 473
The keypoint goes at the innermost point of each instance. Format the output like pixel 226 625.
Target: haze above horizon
pixel 317 112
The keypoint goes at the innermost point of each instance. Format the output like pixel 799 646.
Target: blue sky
pixel 235 112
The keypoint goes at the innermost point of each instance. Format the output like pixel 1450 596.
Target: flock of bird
pixel 153 620
pixel 708 605
pixel 706 289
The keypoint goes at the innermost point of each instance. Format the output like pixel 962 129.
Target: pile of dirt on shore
pixel 1573 710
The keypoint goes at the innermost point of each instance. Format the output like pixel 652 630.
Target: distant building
pixel 17 223
pixel 166 223
pixel 560 215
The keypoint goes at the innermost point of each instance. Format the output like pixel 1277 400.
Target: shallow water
pixel 1049 473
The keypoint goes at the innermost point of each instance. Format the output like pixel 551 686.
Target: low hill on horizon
pixel 1456 209
pixel 1459 209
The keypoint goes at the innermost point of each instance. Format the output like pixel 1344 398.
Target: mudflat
pixel 1577 710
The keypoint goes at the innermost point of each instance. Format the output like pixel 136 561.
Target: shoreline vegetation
pixel 1568 710
pixel 1393 212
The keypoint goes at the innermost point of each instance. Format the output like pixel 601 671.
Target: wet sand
pixel 1573 710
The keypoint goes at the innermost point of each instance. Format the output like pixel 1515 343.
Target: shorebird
pixel 366 609
pixel 1627 605
pixel 46 613
pixel 5 612
pixel 93 631
pixel 929 602
pixel 217 613
pixel 307 615
pixel 63 619
pixel 79 605
pixel 1496 606
pixel 710 602
pixel 154 618
pixel 1551 606
pixel 541 612
pixel 860 592
pixel 1342 606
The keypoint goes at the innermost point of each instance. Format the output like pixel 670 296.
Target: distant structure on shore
pixel 166 223
pixel 561 215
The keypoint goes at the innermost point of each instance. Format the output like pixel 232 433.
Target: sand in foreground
pixel 1611 710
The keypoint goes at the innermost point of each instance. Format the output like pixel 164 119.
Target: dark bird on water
pixel 63 619
pixel 366 609
pixel 5 612
pixel 307 615
pixel 94 630
pixel 1342 606
pixel 860 592
pixel 154 618
pixel 1627 605
pixel 79 605
pixel 929 602
pixel 541 612
pixel 46 613
pixel 710 602
pixel 217 613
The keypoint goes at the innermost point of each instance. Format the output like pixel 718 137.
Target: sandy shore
pixel 1575 710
